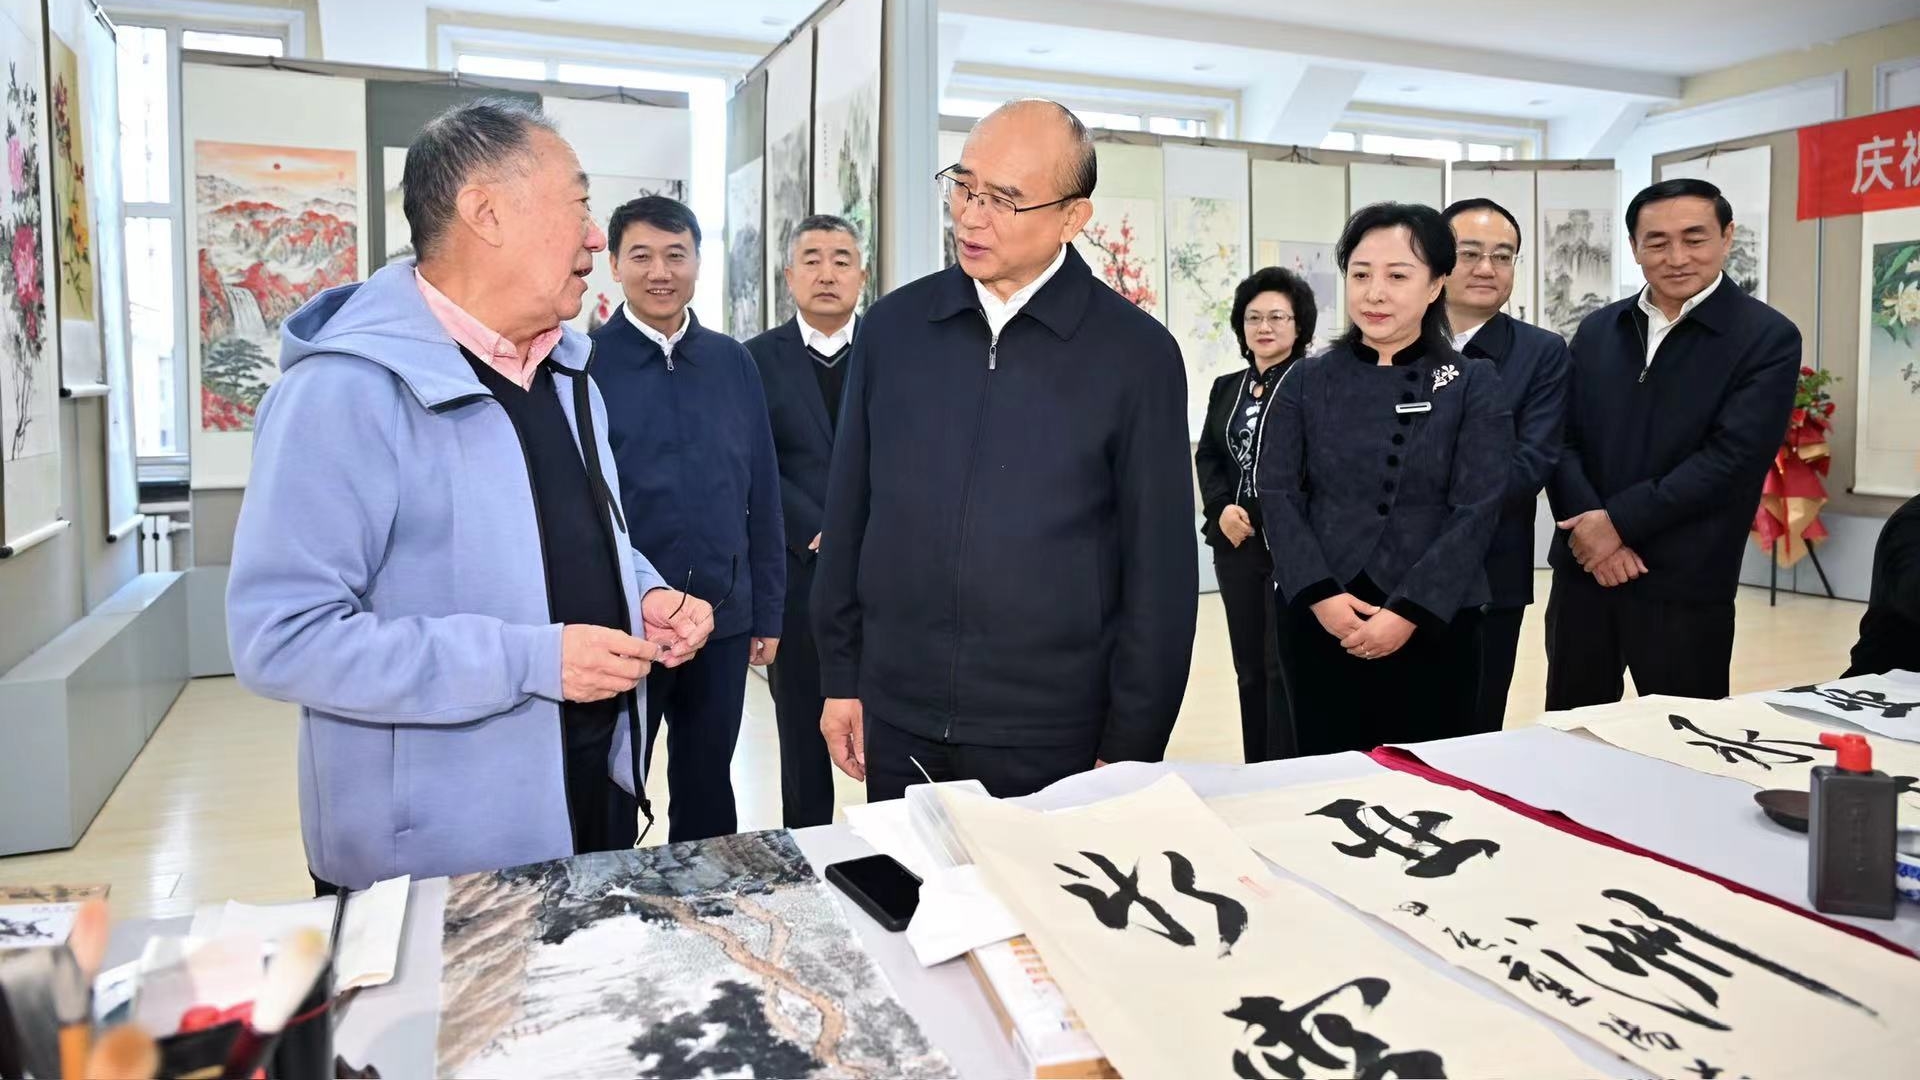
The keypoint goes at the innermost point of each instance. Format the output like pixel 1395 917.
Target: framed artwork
pixel 790 174
pixel 1122 241
pixel 846 124
pixel 1207 257
pixel 1887 444
pixel 1577 218
pixel 1298 213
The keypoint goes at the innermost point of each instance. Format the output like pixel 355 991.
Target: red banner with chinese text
pixel 1855 166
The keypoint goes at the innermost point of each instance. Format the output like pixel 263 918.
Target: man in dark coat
pixel 1007 583
pixel 803 365
pixel 1533 385
pixel 1679 399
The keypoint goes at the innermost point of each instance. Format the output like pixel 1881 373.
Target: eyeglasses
pixel 1276 320
pixel 733 576
pixel 958 194
pixel 1501 260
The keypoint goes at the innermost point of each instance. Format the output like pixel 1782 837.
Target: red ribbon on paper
pixel 1400 759
pixel 1859 165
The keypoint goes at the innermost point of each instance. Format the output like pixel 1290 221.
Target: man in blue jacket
pixel 1678 401
pixel 1006 588
pixel 689 431
pixel 430 559
pixel 1533 385
pixel 803 363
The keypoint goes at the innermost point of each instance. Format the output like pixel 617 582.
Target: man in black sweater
pixel 1679 399
pixel 803 365
pixel 1006 588
pixel 1890 630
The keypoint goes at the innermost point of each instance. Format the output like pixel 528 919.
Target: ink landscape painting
pixel 723 958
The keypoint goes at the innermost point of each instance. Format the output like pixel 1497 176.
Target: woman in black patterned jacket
pixel 1274 318
pixel 1380 475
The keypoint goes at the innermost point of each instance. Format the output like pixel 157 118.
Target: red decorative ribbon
pixel 1795 490
pixel 1403 760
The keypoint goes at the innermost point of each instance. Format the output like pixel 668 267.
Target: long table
pixel 1705 821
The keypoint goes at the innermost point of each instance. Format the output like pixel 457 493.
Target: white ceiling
pixel 1673 37
pixel 745 20
pixel 1522 59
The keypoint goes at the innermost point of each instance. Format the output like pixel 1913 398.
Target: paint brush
pixel 290 977
pixel 124 1053
pixel 74 969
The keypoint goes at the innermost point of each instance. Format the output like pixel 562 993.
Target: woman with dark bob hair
pixel 1273 316
pixel 1380 476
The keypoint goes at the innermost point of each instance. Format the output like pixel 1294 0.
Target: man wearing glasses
pixel 1533 382
pixel 1006 588
pixel 687 421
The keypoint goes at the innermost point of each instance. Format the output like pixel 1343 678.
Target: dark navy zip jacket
pixel 1676 452
pixel 1009 557
pixel 691 441
pixel 1533 367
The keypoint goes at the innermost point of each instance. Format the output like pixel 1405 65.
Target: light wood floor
pixel 208 811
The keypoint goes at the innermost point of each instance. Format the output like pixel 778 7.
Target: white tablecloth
pixel 1705 821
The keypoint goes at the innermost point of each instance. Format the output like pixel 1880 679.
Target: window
pixel 706 89
pixel 502 67
pixel 1340 140
pixel 249 44
pixel 1418 146
pixel 973 96
pixel 155 207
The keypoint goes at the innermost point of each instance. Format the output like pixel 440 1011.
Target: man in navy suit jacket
pixel 1533 367
pixel 803 365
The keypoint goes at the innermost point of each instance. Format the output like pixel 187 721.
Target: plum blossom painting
pixel 277 225
pixel 726 957
pixel 1121 242
pixel 29 382
pixel 1887 448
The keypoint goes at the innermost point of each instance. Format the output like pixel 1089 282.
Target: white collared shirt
pixel 825 344
pixel 1658 326
pixel 666 343
pixel 1460 339
pixel 1001 312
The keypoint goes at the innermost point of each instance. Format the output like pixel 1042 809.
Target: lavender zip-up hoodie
pixel 387 578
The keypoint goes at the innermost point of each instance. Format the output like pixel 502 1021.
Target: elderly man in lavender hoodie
pixel 432 559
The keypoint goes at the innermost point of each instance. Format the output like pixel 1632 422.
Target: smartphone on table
pixel 881 886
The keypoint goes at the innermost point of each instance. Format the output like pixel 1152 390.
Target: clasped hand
pixel 1365 631
pixel 1597 546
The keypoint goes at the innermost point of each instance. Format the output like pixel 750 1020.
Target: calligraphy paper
pixel 1742 739
pixel 1884 704
pixel 1673 972
pixel 1185 956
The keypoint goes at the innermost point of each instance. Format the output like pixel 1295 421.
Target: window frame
pixel 454 40
pixel 176 17
pixel 1217 114
pixel 1522 140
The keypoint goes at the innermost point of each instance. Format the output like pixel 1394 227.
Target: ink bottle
pixel 1851 829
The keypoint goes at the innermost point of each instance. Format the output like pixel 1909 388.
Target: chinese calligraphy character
pixel 1639 1036
pixel 1870 166
pixel 1427 854
pixel 1750 751
pixel 1314 1039
pixel 1910 164
pixel 1860 700
pixel 1665 944
pixel 1114 909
